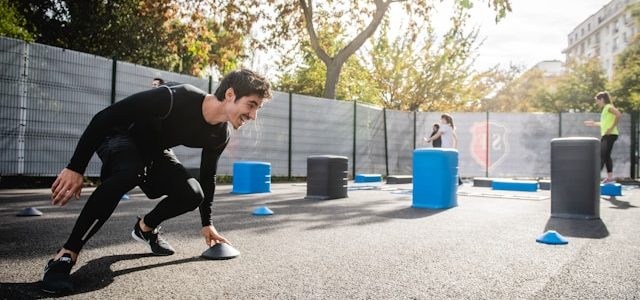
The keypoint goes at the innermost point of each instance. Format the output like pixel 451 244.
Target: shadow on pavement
pixel 618 204
pixel 592 229
pixel 94 275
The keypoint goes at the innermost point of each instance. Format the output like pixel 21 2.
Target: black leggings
pixel 606 145
pixel 123 167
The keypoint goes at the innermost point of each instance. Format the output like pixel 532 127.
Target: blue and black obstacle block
pixel 435 190
pixel 251 177
pixel 611 189
pixel 399 179
pixel 514 185
pixel 360 178
pixel 482 181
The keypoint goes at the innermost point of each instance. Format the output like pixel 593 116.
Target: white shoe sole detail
pixel 135 237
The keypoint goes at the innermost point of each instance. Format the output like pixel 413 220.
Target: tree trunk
pixel 334 64
pixel 332 79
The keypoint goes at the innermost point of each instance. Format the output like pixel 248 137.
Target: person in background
pixel 446 133
pixel 156 82
pixel 609 117
pixel 437 143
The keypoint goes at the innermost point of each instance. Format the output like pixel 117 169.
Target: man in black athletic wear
pixel 133 138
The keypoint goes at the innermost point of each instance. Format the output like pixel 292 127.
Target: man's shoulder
pixel 184 86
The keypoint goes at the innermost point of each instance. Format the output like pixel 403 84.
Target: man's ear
pixel 230 95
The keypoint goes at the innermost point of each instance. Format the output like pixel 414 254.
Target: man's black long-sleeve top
pixel 156 120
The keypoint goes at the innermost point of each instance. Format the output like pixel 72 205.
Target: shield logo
pixel 489 144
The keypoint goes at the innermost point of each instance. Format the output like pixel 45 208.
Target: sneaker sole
pixel 135 237
pixel 63 292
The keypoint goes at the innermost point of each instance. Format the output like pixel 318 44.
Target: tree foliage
pixel 177 35
pixel 12 23
pixel 297 21
pixel 578 85
pixel 413 72
pixel 307 76
pixel 533 91
pixel 625 84
pixel 520 94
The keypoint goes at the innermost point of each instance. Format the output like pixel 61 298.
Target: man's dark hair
pixel 160 80
pixel 604 96
pixel 244 83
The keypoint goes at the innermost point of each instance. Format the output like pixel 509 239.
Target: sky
pixel 535 30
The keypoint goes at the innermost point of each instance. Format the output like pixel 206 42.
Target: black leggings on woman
pixel 606 145
pixel 123 167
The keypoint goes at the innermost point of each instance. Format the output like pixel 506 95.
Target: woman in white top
pixel 447 133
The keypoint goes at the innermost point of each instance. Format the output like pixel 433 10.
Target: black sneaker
pixel 152 239
pixel 56 279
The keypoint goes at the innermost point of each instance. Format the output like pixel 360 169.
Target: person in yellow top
pixel 608 130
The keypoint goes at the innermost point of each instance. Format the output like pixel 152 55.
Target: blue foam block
pixel 515 185
pixel 368 178
pixel 251 177
pixel 611 189
pixel 435 178
pixel 551 237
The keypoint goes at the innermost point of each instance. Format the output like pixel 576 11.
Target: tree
pixel 12 23
pixel 571 91
pixel 625 84
pixel 416 71
pixel 520 94
pixel 577 87
pixel 307 77
pixel 177 35
pixel 299 20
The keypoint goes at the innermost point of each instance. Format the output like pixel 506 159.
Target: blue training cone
pixel 29 212
pixel 262 211
pixel 125 197
pixel 551 237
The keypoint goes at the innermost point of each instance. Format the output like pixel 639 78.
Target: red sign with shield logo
pixel 489 144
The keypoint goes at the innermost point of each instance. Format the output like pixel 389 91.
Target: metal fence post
pixel 414 129
pixel 290 131
pixel 355 109
pixel 486 165
pixel 386 151
pixel 23 94
pixel 114 66
pixel 634 144
pixel 559 124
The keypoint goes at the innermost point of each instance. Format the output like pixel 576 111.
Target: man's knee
pixel 194 194
pixel 129 176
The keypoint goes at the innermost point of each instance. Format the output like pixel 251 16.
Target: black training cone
pixel 29 212
pixel 220 251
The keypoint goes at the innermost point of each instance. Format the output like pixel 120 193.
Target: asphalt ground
pixel 371 245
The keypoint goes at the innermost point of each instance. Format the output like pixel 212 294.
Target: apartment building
pixel 604 34
pixel 550 68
